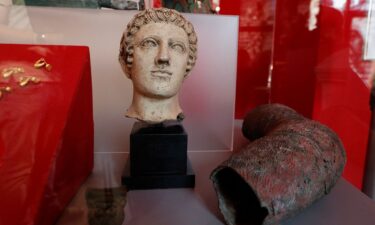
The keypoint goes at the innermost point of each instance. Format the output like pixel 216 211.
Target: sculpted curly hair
pixel 157 15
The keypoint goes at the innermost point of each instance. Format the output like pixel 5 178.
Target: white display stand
pixel 344 205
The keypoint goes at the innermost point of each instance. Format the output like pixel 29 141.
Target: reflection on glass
pixel 254 54
pixel 106 206
pixel 115 4
pixel 370 32
pixel 339 4
pixel 359 4
pixel 189 6
pixel 356 51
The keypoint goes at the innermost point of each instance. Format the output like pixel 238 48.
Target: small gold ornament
pixel 4 89
pixel 23 81
pixel 48 67
pixel 42 63
pixel 7 72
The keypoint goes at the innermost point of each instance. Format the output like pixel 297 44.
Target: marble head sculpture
pixel 158 49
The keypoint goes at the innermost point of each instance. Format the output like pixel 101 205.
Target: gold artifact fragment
pixel 42 63
pixel 7 72
pixel 48 67
pixel 4 89
pixel 23 81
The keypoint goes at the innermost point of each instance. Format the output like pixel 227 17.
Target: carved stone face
pixel 160 59
pixel 158 50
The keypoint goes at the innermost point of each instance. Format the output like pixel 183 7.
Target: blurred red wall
pixel 256 20
pixel 318 72
pixel 307 54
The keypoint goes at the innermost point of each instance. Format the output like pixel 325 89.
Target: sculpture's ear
pixel 128 76
pixel 129 52
pixel 128 66
pixel 126 59
pixel 187 71
pixel 189 66
pixel 124 68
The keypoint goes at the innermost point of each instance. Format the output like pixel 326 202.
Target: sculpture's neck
pixel 154 110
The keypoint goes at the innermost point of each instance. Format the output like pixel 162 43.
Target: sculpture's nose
pixel 163 57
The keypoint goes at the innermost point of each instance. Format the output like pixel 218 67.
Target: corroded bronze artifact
pixel 290 163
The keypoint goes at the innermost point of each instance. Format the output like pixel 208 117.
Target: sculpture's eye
pixel 179 47
pixel 148 43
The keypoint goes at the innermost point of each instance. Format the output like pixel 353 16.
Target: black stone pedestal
pixel 158 157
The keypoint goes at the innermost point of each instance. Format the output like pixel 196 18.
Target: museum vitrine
pixel 313 56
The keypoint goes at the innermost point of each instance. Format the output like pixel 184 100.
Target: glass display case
pixel 305 54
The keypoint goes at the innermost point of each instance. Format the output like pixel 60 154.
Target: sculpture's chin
pixel 158 93
pixel 161 95
pixel 157 87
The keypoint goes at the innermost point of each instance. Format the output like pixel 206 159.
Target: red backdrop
pixel 318 72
